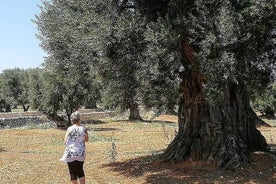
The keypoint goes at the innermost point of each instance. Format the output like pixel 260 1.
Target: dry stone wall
pixel 15 122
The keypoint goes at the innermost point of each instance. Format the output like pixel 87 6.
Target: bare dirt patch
pixel 32 156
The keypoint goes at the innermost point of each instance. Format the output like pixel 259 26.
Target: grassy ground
pixel 32 156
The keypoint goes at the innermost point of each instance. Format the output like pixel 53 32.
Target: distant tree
pixel 24 99
pixel 35 86
pixel 136 71
pixel 94 91
pixel 4 105
pixel 15 89
pixel 119 74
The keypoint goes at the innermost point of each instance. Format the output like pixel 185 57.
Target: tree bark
pixel 7 108
pixel 25 107
pixel 69 111
pixel 134 114
pixel 224 132
pixel 91 103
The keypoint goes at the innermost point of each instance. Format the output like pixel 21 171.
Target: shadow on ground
pixel 161 122
pixel 91 121
pixel 267 117
pixel 262 169
pixel 103 129
pixel 273 148
pixel 2 149
pixel 146 121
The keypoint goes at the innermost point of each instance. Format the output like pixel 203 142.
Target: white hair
pixel 75 117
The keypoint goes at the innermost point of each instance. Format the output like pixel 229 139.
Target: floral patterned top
pixel 75 144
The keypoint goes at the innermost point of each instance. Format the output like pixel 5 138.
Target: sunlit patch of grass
pixel 271 122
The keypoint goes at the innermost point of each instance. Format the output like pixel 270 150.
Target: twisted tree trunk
pixel 224 132
pixel 134 114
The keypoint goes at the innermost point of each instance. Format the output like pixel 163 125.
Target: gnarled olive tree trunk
pixel 224 132
pixel 134 114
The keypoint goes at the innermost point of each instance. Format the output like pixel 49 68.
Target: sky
pixel 19 47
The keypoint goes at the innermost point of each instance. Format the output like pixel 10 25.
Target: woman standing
pixel 74 154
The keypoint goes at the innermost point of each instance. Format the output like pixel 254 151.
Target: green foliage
pixel 35 86
pixel 126 51
pixel 65 30
pixel 139 66
pixel 51 93
pixel 124 55
pixel 4 106
pixel 100 38
pixel 233 40
pixel 152 9
pixel 159 68
pixel 14 89
pixel 266 102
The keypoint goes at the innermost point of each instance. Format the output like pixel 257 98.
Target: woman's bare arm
pixel 86 138
pixel 66 137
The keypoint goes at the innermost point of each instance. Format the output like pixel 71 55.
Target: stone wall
pixel 14 122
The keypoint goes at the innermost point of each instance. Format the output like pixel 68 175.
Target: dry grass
pixel 32 156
